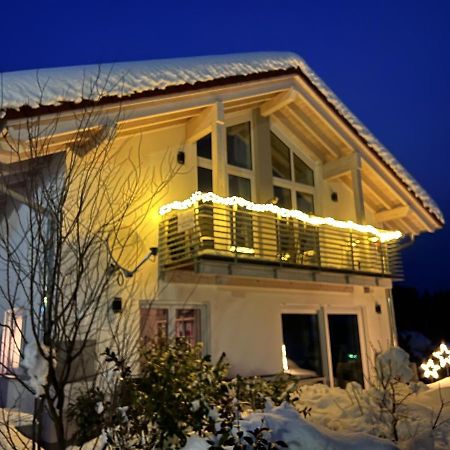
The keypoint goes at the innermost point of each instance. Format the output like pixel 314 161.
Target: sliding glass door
pixel 324 343
pixel 345 349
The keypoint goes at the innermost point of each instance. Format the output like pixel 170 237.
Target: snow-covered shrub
pixel 178 392
pixel 386 408
pixel 37 366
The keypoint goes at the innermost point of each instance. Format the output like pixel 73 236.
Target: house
pixel 278 235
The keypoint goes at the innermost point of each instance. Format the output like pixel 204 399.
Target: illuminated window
pixel 239 150
pixel 281 159
pixel 12 338
pixel 158 322
pixel 204 147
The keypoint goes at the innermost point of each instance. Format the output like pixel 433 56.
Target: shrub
pixel 178 392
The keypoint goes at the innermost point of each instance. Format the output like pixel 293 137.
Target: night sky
pixel 389 61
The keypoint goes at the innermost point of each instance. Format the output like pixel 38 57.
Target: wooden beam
pixel 198 126
pixel 357 188
pixel 392 214
pixel 219 150
pixel 279 101
pixel 308 124
pixel 337 168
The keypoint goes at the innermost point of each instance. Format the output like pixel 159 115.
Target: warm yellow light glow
pixel 284 358
pixel 246 250
pixel 202 197
pixel 430 369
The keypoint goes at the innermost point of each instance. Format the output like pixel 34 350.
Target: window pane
pixel 302 342
pixel 284 197
pixel 204 147
pixel 239 145
pixel 281 162
pixel 204 179
pixel 187 325
pixel 240 187
pixel 303 173
pixel 305 202
pixel 345 349
pixel 154 323
pixel 240 220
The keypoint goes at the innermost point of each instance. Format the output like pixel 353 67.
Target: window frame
pixel 11 359
pixel 291 184
pixel 172 307
pixel 322 312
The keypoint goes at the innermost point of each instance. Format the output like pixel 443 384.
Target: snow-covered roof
pixel 55 86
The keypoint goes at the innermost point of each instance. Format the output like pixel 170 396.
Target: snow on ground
pixel 9 434
pixel 287 425
pixel 354 410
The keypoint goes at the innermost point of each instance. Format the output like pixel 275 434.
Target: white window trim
pixel 10 349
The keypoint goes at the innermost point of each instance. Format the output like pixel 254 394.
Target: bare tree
pixel 74 205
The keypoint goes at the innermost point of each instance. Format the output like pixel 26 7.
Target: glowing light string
pixel 205 197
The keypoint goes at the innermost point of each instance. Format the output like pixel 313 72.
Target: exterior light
pixel 210 197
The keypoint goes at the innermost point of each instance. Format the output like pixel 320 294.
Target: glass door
pixel 345 349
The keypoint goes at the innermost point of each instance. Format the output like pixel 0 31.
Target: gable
pixel 297 100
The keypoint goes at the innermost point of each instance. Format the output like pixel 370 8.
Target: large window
pixel 293 187
pixel 12 339
pixel 205 184
pixel 292 177
pixel 239 149
pixel 171 321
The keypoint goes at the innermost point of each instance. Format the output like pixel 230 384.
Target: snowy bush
pixel 393 407
pixel 37 366
pixel 178 393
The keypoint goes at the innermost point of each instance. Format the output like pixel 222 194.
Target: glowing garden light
pixel 430 369
pixel 210 197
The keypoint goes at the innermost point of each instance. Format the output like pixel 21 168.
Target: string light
pixel 206 197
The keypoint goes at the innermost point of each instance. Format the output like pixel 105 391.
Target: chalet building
pixel 278 237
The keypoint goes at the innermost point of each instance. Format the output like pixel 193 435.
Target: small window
pixel 204 179
pixel 172 321
pixel 284 197
pixel 204 147
pixel 281 160
pixel 303 173
pixel 187 325
pixel 239 145
pixel 12 337
pixel 240 187
pixel 154 323
pixel 305 202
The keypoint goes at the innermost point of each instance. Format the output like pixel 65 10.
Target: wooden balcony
pixel 207 231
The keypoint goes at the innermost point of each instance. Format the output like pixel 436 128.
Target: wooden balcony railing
pixel 209 230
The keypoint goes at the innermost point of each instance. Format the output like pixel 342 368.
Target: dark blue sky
pixel 389 61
